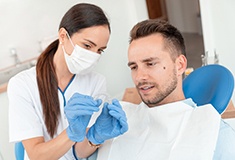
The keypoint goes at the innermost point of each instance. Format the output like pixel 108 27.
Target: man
pixel 166 125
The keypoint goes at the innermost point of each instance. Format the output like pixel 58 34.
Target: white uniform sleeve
pixel 24 122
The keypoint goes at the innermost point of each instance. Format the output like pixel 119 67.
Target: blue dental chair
pixel 212 84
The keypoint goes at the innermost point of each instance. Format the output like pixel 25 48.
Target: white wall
pixel 24 23
pixel 6 148
pixel 218 24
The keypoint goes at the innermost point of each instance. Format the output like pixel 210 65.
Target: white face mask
pixel 81 61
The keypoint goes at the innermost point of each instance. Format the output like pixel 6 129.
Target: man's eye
pixel 151 63
pixel 133 67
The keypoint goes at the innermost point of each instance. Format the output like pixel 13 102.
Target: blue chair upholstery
pixel 212 84
pixel 19 151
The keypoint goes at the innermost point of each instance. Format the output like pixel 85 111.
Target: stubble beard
pixel 162 93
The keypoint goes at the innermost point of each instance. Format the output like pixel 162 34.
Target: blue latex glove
pixel 111 123
pixel 78 111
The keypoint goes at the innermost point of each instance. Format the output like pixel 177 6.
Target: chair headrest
pixel 212 84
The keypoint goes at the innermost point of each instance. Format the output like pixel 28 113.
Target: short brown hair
pixel 173 39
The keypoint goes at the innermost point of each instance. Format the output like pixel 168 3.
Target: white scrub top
pixel 25 109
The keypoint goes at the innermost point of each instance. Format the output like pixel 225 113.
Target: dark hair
pixel 173 39
pixel 78 17
pixel 82 16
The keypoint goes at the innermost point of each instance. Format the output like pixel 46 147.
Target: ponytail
pixel 48 87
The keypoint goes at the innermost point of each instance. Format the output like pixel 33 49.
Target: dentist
pixel 51 106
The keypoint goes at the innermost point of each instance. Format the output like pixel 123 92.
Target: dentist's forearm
pixel 54 149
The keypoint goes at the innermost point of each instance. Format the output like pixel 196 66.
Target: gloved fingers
pixel 118 114
pixel 99 102
pixel 80 122
pixel 105 112
pixel 76 104
pixel 77 128
pixel 82 101
pixel 75 115
pixel 78 95
pixel 124 126
pixel 120 117
pixel 121 125
pixel 78 108
pixel 116 107
pixel 74 112
pixel 116 103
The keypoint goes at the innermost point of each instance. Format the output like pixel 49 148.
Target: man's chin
pixel 151 102
pixel 148 102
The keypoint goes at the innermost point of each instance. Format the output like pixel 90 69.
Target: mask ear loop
pixel 70 40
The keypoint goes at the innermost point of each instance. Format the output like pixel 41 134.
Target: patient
pixel 166 125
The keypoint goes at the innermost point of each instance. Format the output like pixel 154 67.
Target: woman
pixel 50 106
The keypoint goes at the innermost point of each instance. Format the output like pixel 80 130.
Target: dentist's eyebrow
pixel 94 43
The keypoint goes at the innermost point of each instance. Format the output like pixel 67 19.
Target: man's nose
pixel 141 74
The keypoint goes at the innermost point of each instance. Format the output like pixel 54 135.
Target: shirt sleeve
pixel 225 143
pixel 24 122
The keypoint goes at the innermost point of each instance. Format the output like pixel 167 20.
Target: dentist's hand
pixel 111 123
pixel 78 111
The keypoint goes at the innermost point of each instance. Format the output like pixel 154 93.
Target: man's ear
pixel 181 63
pixel 62 35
